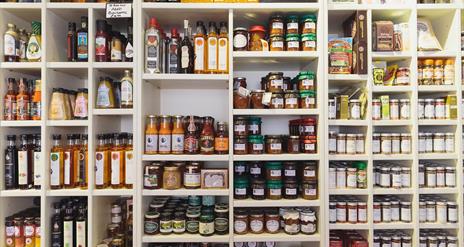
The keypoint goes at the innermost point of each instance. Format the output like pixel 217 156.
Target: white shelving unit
pixel 207 94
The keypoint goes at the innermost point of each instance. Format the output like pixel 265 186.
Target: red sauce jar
pixel 309 144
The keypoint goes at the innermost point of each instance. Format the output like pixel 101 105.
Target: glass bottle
pixel 82 162
pixel 199 45
pixel 83 41
pixel 105 96
pixel 71 42
pixel 36 107
pixel 38 231
pixel 19 231
pixel 117 163
pixel 22 101
pixel 223 49
pixel 129 46
pixel 102 169
pixel 152 47
pixel 57 226
pixel 69 226
pixel 11 163
pixel 10 40
pixel 101 42
pixel 9 102
pixel 24 170
pixel 186 53
pixel 56 164
pixel 221 141
pixel 207 136
pixel 34 46
pixel 165 132
pixel 191 145
pixel 81 226
pixel 69 162
pixel 23 39
pixel 130 162
pixel 212 49
pixel 177 143
pixel 172 52
pixel 116 47
pixel 37 162
pixel 127 95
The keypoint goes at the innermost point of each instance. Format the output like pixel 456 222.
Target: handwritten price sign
pixel 118 10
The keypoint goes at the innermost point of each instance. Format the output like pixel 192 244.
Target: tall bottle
pixel 22 101
pixel 151 135
pixel 69 162
pixel 83 41
pixel 172 52
pixel 212 49
pixel 82 163
pixel 37 162
pixel 38 232
pixel 199 41
pixel 71 42
pixel 129 46
pixel 223 49
pixel 116 47
pixel 24 171
pixel 10 40
pixel 34 46
pixel 56 164
pixel 101 42
pixel 102 168
pixel 69 226
pixel 129 161
pixel 221 141
pixel 57 226
pixel 22 40
pixel 9 102
pixel 117 163
pixel 207 136
pixel 165 132
pixel 36 107
pixel 177 135
pixel 81 227
pixel 186 53
pixel 11 163
pixel 191 145
pixel 127 86
pixel 152 47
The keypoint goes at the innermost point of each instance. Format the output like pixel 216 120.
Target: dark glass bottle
pixel 83 162
pixel 9 102
pixel 172 52
pixel 69 226
pixel 129 46
pixel 37 162
pixel 186 52
pixel 191 145
pixel 57 226
pixel 83 41
pixel 11 163
pixel 101 42
pixel 24 164
pixel 72 42
pixel 81 226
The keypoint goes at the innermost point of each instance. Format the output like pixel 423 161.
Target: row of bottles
pixel 23 163
pixel 114 161
pixel 22 100
pixel 23 228
pixel 69 163
pixel 77 41
pixel 115 94
pixel 205 52
pixel 112 46
pixel 69 223
pixel 120 230
pixel 68 104
pixel 20 46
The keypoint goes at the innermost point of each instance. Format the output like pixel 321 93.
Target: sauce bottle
pixel 29 232
pixel 102 168
pixel 22 101
pixel 23 39
pixel 116 48
pixel 24 170
pixel 151 135
pixel 186 53
pixel 221 141
pixel 9 111
pixel 10 40
pixel 212 49
pixel 11 163
pixel 127 96
pixel 207 136
pixel 36 107
pixel 172 52
pixel 191 145
pixel 117 163
pixel 101 42
pixel 9 232
pixel 130 162
pixel 152 47
pixel 37 162
pixel 129 46
pixel 71 42
pixel 81 105
pixel 105 96
pixel 57 226
pixel 56 164
pixel 165 133
pixel 19 231
pixel 177 146
pixel 199 47
pixel 223 49
pixel 69 166
pixel 34 47
pixel 37 231
pixel 82 163
pixel 83 41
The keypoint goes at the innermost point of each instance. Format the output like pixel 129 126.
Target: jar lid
pixel 241 181
pixel 308 37
pixel 272 137
pixel 171 168
pixel 273 165
pixel 308 17
pixel 361 165
pixel 257 91
pixel 257 28
pixel 292 18
pixel 292 37
pixel 274 184
pixel 258 181
pixel 254 119
pixel 240 29
pixel 307 93
pixel 275 73
pixel 291 91
pixel 152 215
pixel 294 137
pixel 255 138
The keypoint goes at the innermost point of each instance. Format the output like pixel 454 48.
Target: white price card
pixel 118 10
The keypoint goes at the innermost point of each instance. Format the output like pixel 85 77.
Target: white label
pixel 100 42
pixel 362 215
pixel 239 147
pixel 341 215
pixel 386 146
pixel 353 215
pixel 431 215
pixel 396 146
pixel 405 180
pixel 130 167
pixel 37 168
pixel 257 147
pixel 151 143
pixel 360 146
pixel 332 145
pixel 292 25
pixel 450 179
pixel 405 146
pixel 177 142
pixel 332 111
pixel 256 225
pixel 276 102
pixel 55 169
pixel 310 44
pixel 212 53
pixel 67 167
pixel 222 54
pixel 240 226
pixel 277 44
pixel 192 179
pixel 375 146
pixel 276 146
pixel 310 192
pixel 386 214
pixel 253 127
pixel 240 41
pixel 115 166
pixel 405 214
pixel 449 145
pixel 341 146
pixel 68 231
pixel 240 191
pixel 22 167
pixel 310 147
pixel 258 192
pixel 332 215
pixel 395 214
pixel 275 192
pixel 277 25
pixel 351 181
pixel 99 168
pixel 452 214
pixel 377 215
pixel 185 57
pixel 310 25
pixel 293 44
pixel 9 48
pixel 126 91
pixel 290 192
pixel 118 10
pixel 255 170
pixel 404 111
pixel 276 173
pixel 81 232
pixel 290 173
pixel 239 128
pixel 272 225
pixel 309 173
pixel 199 53
pixel 341 179
pixel 164 143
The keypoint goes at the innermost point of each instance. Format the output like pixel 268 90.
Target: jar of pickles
pixel 257 37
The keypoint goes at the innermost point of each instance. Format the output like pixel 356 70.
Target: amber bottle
pixel 9 102
pixel 101 42
pixel 207 136
pixel 82 163
pixel 56 164
pixel 199 41
pixel 223 49
pixel 212 49
pixel 22 101
pixel 191 145
pixel 36 107
pixel 129 161
pixel 221 141
pixel 117 163
pixel 69 166
pixel 102 169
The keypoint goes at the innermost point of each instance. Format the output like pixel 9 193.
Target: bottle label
pixel 116 53
pixel 100 46
pixel 152 51
pixel 9 48
pixel 22 50
pixel 22 108
pixel 67 167
pixel 207 143
pixel 68 231
pixel 172 59
pixel 10 173
pixel 240 41
pixel 9 109
pixel 221 144
pixel 81 232
pixel 223 54
pixel 82 44
pixel 212 53
pixel 130 168
pixel 36 110
pixel 99 168
pixel 129 53
pixel 164 143
pixel 80 109
pixel 55 169
pixel 151 143
pixel 177 142
pixel 22 167
pixel 103 96
pixel 126 91
pixel 192 179
pixel 37 168
pixel 185 57
pixel 82 167
pixel 34 52
pixel 199 53
pixel 115 166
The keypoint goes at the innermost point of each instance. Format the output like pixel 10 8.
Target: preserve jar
pixel 308 24
pixel 276 24
pixel 241 99
pixel 240 168
pixel 292 24
pixel 221 220
pixel 402 76
pixel 257 36
pixel 151 223
pixel 350 143
pixel 405 109
pixel 308 221
pixel 254 126
pixel 332 142
pixel 341 143
pixel 272 221
pixel 376 109
pixel 240 39
pixel 192 176
pixel 166 223
pixel 274 190
pixel 309 170
pixel 240 222
pixel 256 219
pixel 276 43
pixel 273 144
pixel 362 212
pixel 274 170
pixel 290 170
pixel 256 169
pixel 355 109
pixel 309 189
pixel 255 144
pixel 290 189
pixel 193 221
pixel 152 179
pixel 178 223
pixel 293 144
pixel 206 227
pixel 240 145
pixel 307 99
pixel 257 99
pixel 275 82
pixel 291 219
pixel 240 126
pixel 291 99
pixel 241 188
pixel 172 177
pixel 309 144
pixel 258 188
pixel 277 101
pixel 306 81
pixel 308 42
pixel 288 83
pixel 292 42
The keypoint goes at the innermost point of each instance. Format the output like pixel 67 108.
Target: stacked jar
pixel 436 176
pixel 436 209
pixel 291 33
pixel 291 221
pixel 303 136
pixel 356 109
pixel 275 180
pixel 436 142
pixel 341 143
pixel 388 175
pixel 435 72
pixel 384 108
pixel 391 143
pixel 437 237
pixel 347 209
pixel 392 238
pixel 441 108
pixel 255 244
pixel 348 175
pixel 195 215
pixel 388 209
pixel 346 238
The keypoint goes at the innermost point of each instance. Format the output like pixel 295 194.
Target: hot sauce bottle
pixel 223 49
pixel 71 42
pixel 102 169
pixel 130 163
pixel 191 144
pixel 221 141
pixel 177 146
pixel 199 47
pixel 69 162
pixel 117 163
pixel 9 102
pixel 56 164
pixel 151 136
pixel 165 132
pixel 36 107
pixel 19 231
pixel 22 101
pixel 101 42
pixel 83 41
pixel 186 52
pixel 207 136
pixel 29 232
pixel 212 49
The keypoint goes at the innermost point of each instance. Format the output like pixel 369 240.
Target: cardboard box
pixel 360 58
pixel 341 102
pixel 385 101
pixel 382 36
pixel 451 107
pixel 356 26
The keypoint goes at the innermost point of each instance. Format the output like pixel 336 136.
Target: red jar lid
pixel 257 28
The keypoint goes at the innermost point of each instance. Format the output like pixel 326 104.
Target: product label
pixel 185 57
pixel 258 147
pixel 103 98
pixel 291 101
pixel 276 173
pixel 126 91
pixel 223 54
pixel 100 46
pixel 212 53
pixel 68 231
pixel 290 192
pixel 129 53
pixel 22 49
pixel 290 173
pixel 292 25
pixel 22 167
pixel 99 168
pixel 115 166
pixel 192 179
pixel 151 143
pixel 310 192
pixel 55 169
pixel 152 51
pixel 275 192
pixel 277 25
pixel 277 44
pixel 82 44
pixel 150 180
pixel 130 167
pixel 239 128
pixel 362 215
pixel 67 167
pixel 256 225
pixel 310 147
pixel 276 146
pixel 240 41
pixel 258 192
pixel 116 53
pixel 272 225
pixel 81 107
pixel 239 147
pixel 206 228
pixel 164 143
pixel 81 232
pixel 310 44
pixel 240 226
pixel 310 25
pixel 221 144
pixel 255 170
pixel 293 44
pixel 150 227
pixel 9 48
pixel 199 53
pixel 177 142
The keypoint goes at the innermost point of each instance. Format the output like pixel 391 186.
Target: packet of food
pixel 426 38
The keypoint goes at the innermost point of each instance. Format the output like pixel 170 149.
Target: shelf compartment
pixel 67 123
pixel 68 65
pixel 391 122
pixel 113 111
pixel 276 203
pixel 392 191
pixel 263 112
pixel 392 156
pixel 113 192
pixel 184 157
pixel 348 157
pixel 438 156
pixel 186 192
pixel 348 122
pixel 68 192
pixel 20 193
pixel 438 226
pixel 434 122
pixel 27 123
pixel 438 190
pixel 348 192
pixel 206 6
pixel 112 65
pixel 347 226
pixel 188 81
pixel 278 237
pixel 185 238
pixel 433 54
pixel 393 225
pixel 391 55
pixel 391 89
pixel 270 157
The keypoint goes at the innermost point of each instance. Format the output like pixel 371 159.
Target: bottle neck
pixel 56 143
pixel 11 143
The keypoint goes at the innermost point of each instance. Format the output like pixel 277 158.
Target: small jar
pixel 308 24
pixel 240 39
pixel 276 24
pixel 291 219
pixel 395 143
pixel 240 222
pixel 449 142
pixel 172 177
pixel 431 215
pixel 402 76
pixel 441 211
pixel 192 176
pixel 355 109
pixel 193 221
pixel 221 220
pixel 405 143
pixel 377 212
pixel 385 177
pixel 429 142
pixel 309 189
pixel 241 99
pixel 427 72
pixel 276 43
pixel 431 177
pixel 450 177
pixel 420 108
pixel 376 143
pixel 360 144
pixel 255 144
pixel 405 212
pixel 386 212
pixel 386 143
pixel 290 170
pixel 395 211
pixel 405 109
pixel 441 177
pixel 308 42
pixel 306 81
pixel 405 177
pixel 394 109
pixel 307 99
pixel 439 143
pixel 256 222
pixel 341 143
pixel 240 145
pixel 272 221
pixel 293 144
pixel 275 82
pixel 308 221
pixel 309 144
pixel 241 187
pixel 309 170
pixel 351 178
pixel 341 211
pixel 258 188
pixel 240 126
pixel 292 24
pixel 438 72
pixel 274 170
pixel 332 142
pixel 254 126
pixel 240 168
pixel 291 99
pixel 274 190
pixel 440 111
pixel 166 223
pixel 341 177
pixel 290 189
pixel 273 144
pixel 350 143
pixel 277 101
pixel 257 40
pixel 452 213
pixel 332 212
pixel 429 109
pixel 352 209
pixel 292 42
pixel 152 179
pixel 178 223
pixel 362 212
pixel 152 223
pixel 332 109
pixel 421 143
pixel 257 99
pixel 376 109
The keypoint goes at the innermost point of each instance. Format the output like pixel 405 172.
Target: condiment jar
pixel 240 39
pixel 257 38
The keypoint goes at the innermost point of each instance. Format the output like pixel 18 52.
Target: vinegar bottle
pixel 69 226
pixel 56 164
pixel 22 101
pixel 186 52
pixel 81 227
pixel 36 107
pixel 11 163
pixel 71 42
pixel 82 163
pixel 69 162
pixel 101 163
pixel 9 102
pixel 212 49
pixel 199 48
pixel 37 162
pixel 129 162
pixel 24 170
pixel 223 49
pixel 117 163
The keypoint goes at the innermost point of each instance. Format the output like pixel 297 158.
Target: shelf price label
pixel 118 10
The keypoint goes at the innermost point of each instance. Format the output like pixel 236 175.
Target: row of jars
pixel 293 27
pixel 354 109
pixel 277 170
pixel 274 144
pixel 437 108
pixel 195 215
pixel 437 237
pixel 384 108
pixel 435 209
pixel 341 143
pixel 347 209
pixel 392 176
pixel 347 238
pixel 435 71
pixel 274 220
pixel 255 244
pixel 387 209
pixel 277 82
pixel 391 143
pixel 348 175
pixel 392 238
pixel 436 142
pixel 178 175
pixel 436 176
pixel 396 76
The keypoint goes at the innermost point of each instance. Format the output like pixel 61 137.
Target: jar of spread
pixel 239 82
pixel 306 81
pixel 240 168
pixel 276 43
pixel 151 223
pixel 272 221
pixel 291 99
pixel 256 169
pixel 166 223
pixel 241 99
pixel 241 188
pixel 240 145
pixel 206 227
pixel 309 170
pixel 257 99
pixel 274 170
pixel 290 170
pixel 256 222
pixel 192 176
pixel 258 188
pixel 292 42
pixel 402 76
pixel 274 190
pixel 275 82
pixel 308 221
pixel 290 189
pixel 172 177
pixel 152 178
pixel 307 99
pixel 193 221
pixel 288 83
pixel 308 24
pixel 254 126
pixel 178 223
pixel 255 144
pixel 292 24
pixel 240 222
pixel 240 39
pixel 257 37
pixel 276 24
pixel 293 144
pixel 308 42
pixel 291 219
pixel 277 101
pixel 273 144
pixel 221 220
pixel 309 189
pixel 427 72
pixel 240 126
pixel 309 144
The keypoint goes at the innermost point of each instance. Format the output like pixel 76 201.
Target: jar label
pixel 452 215
pixel 310 25
pixel 450 179
pixel 310 101
pixel 309 173
pixel 276 173
pixel 275 192
pixel 256 226
pixel 221 224
pixel 308 129
pixel 178 226
pixel 293 44
pixel 310 192
pixel 150 227
pixel 240 191
pixel 277 102
pixel 310 44
pixel 221 144
pixel 277 44
pixel 150 181
pixel 239 146
pixel 277 83
pixel 291 101
pixel 290 192
pixel 258 147
pixel 272 225
pixel 290 173
pixel 292 229
pixel 166 226
pixel 277 25
pixel 362 215
pixel 253 127
pixel 192 226
pixel 212 53
pixel 239 128
pixel 240 226
pixel 192 180
pixel 292 25
pixel 308 82
pixel 351 181
pixel 222 54
pixel 255 170
pixel 332 215
pixel 405 214
pixel 22 166
pixel 353 215
pixel 377 215
pixel 100 46
pixel 240 41
pixel 99 168
pixel 332 145
pixel 310 147
pixel 258 192
pixel 308 228
pixel 276 146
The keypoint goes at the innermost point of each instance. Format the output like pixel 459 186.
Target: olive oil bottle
pixel 212 49
pixel 102 169
pixel 82 163
pixel 68 162
pixel 223 49
pixel 56 164
pixel 117 163
pixel 199 41
pixel 129 161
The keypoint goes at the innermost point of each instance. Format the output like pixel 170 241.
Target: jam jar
pixel 308 24
pixel 276 24
pixel 192 176
pixel 309 170
pixel 276 43
pixel 277 101
pixel 256 222
pixel 272 220
pixel 256 169
pixel 241 99
pixel 309 144
pixel 240 222
pixel 275 82
pixel 290 189
pixel 291 99
pixel 293 144
pixel 257 38
pixel 308 42
pixel 240 145
pixel 254 125
pixel 292 42
pixel 273 144
pixel 273 170
pixel 293 25
pixel 257 99
pixel 241 187
pixel 307 99
pixel 290 170
pixel 309 189
pixel 240 39
pixel 240 126
pixel 258 189
pixel 274 190
pixel 306 81
pixel 240 168
pixel 152 178
pixel 255 144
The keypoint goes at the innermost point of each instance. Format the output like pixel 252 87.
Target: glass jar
pixel 274 190
pixel 240 39
pixel 277 101
pixel 386 143
pixel 309 170
pixel 255 144
pixel 341 143
pixel 395 143
pixel 450 177
pixel 360 144
pixel 258 188
pixel 240 145
pixel 274 170
pixel 276 24
pixel 352 209
pixel 350 144
pixel 394 109
pixel 402 76
pixel 240 222
pixel 308 42
pixel 290 189
pixel 449 142
pixel 256 169
pixel 151 223
pixel 241 186
pixel 256 222
pixel 355 109
pixel 420 109
pixel 306 81
pixel 241 99
pixel 291 99
pixel 240 168
pixel 427 72
pixel 332 109
pixel 276 43
pixel 272 221
pixel 172 177
pixel 292 42
pixel 309 144
pixel 273 144
pixel 239 82
pixel 193 221
pixel 439 143
pixel 362 212
pixel 308 24
pixel 405 109
pixel 438 72
pixel 257 38
pixel 192 176
pixel 376 109
pixel 221 220
pixel 308 221
pixel 309 189
pixel 254 125
pixel 206 227
pixel 291 219
pixel 152 178
pixel 293 144
pixel 406 212
pixel 290 170
pixel 307 99
pixel 275 82
pixel 257 99
pixel 429 109
pixel 240 126
pixel 166 223
pixel 178 223
pixel 332 142
pixel 292 24
pixel 341 211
